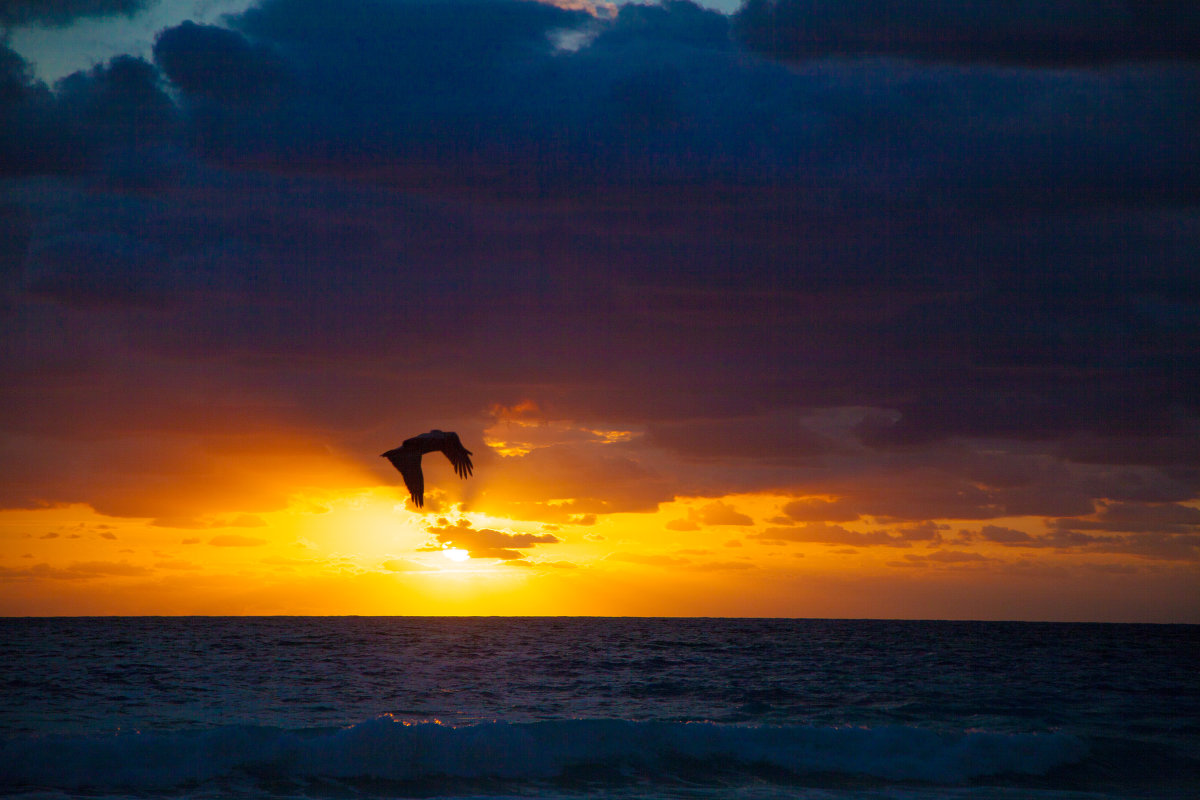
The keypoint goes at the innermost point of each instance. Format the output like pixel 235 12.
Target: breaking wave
pixel 388 749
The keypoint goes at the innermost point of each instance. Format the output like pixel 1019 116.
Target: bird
pixel 407 459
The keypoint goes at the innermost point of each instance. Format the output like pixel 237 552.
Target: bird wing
pixel 459 456
pixel 409 464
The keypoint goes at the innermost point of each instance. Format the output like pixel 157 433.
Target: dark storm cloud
pixel 657 231
pixel 219 65
pixel 36 134
pixel 60 13
pixel 1019 32
pixel 374 80
pixel 479 94
pixel 120 104
pixel 472 91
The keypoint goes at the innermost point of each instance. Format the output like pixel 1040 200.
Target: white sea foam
pixel 388 749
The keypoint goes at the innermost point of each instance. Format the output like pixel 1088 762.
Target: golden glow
pixel 360 549
pixel 611 437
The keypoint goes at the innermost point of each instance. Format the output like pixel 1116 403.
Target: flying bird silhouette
pixel 407 459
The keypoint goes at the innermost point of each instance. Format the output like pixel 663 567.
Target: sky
pixel 803 308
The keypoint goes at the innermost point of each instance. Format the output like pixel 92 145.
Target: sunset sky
pixel 809 309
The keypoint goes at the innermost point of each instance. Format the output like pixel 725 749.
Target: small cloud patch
pixel 485 542
pixel 234 540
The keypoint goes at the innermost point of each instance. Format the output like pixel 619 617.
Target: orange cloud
pixel 824 533
pixel 714 513
pixel 649 559
pixel 595 8
pixel 485 542
pixel 84 570
pixel 818 509
pixel 234 540
pixel 560 482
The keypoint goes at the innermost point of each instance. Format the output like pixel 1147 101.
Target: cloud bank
pixel 935 265
pixel 1016 32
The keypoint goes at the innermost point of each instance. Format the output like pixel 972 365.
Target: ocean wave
pixel 388 749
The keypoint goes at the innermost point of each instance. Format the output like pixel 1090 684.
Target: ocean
pixel 756 709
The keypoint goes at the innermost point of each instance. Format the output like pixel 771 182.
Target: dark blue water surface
pixel 568 707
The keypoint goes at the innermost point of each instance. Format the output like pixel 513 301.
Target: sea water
pixel 585 707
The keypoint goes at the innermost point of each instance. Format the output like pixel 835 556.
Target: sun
pixel 456 554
